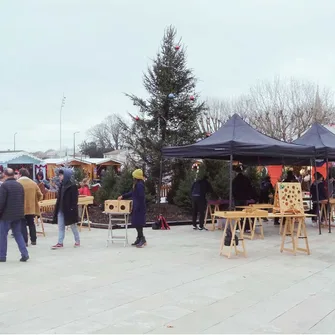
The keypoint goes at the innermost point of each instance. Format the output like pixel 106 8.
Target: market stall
pixel 19 159
pixel 324 142
pixel 237 140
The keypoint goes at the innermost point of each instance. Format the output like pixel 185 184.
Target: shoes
pixel 195 227
pixel 33 243
pixel 24 258
pixel 202 228
pixel 137 241
pixel 2 260
pixel 57 246
pixel 141 243
pixel 77 245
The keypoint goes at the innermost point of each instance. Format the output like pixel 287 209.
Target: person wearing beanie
pixel 139 206
pixel 66 209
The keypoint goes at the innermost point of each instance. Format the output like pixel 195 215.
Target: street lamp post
pixel 15 141
pixel 60 123
pixel 74 143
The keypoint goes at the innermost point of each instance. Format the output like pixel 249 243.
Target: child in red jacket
pixel 84 189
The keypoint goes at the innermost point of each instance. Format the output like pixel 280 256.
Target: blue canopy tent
pixel 238 139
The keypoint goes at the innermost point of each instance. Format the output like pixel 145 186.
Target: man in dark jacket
pixel 242 189
pixel 66 209
pixel 11 215
pixel 200 188
pixel 242 192
pixel 318 188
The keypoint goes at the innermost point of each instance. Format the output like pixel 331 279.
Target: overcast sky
pixel 94 50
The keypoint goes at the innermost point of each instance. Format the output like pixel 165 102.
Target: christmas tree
pixel 168 115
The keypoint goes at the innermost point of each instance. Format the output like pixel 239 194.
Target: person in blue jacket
pixel 139 207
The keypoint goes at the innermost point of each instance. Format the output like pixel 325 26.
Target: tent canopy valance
pixel 238 139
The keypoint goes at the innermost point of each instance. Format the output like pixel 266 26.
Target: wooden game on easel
pixel 288 198
pixel 288 204
pixel 118 211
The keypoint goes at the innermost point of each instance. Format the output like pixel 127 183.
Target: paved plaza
pixel 177 284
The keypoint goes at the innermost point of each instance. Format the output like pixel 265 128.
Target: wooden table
pixel 82 201
pixel 259 206
pixel 233 222
pixel 324 210
pixel 257 215
pixel 212 207
pixel 294 232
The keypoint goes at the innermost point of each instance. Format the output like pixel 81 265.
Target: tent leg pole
pixel 231 183
pixel 317 199
pixel 328 202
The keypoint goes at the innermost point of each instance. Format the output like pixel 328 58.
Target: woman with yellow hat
pixel 139 207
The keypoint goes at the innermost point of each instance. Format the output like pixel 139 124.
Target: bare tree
pixel 281 108
pixel 107 134
pixel 219 111
pixel 284 109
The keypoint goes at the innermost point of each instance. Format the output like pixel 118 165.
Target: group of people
pixel 244 192
pixel 19 206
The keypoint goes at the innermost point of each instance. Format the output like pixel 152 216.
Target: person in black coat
pixel 242 189
pixel 318 185
pixel 66 209
pixel 138 219
pixel 290 177
pixel 242 192
pixel 200 188
pixel 11 214
pixel 266 190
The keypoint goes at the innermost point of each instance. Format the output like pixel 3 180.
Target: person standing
pixel 11 215
pixel 318 192
pixel 243 191
pixel 200 188
pixel 66 209
pixel 83 191
pixel 32 195
pixel 266 190
pixel 139 206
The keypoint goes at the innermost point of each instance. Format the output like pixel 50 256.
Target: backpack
pixel 160 223
pixel 227 239
pixel 156 225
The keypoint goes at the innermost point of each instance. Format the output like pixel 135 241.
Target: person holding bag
pixel 66 209
pixel 139 206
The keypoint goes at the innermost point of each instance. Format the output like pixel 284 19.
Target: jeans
pixel 29 221
pixel 198 206
pixel 61 229
pixel 16 227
